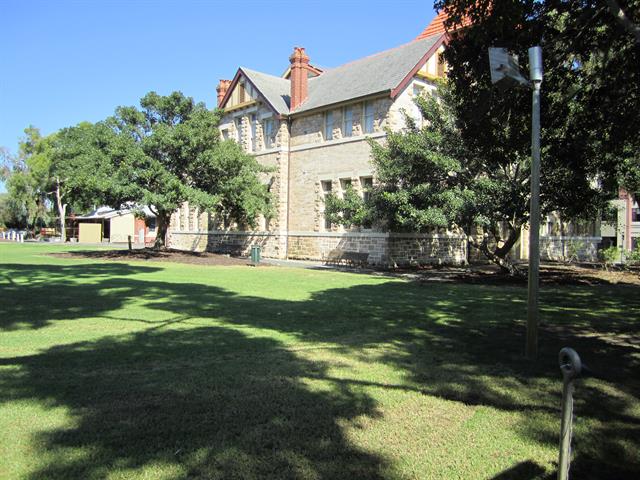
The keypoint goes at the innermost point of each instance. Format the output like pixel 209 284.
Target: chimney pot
pixel 221 89
pixel 299 76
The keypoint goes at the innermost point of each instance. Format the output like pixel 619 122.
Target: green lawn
pixel 166 371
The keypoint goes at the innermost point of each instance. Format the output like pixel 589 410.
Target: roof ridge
pixel 378 53
pixel 261 73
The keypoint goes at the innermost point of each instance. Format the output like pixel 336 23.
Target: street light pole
pixel 535 71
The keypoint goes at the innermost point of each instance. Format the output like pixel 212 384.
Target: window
pixel 418 91
pixel 441 65
pixel 347 122
pixel 345 183
pixel 367 185
pixel 241 93
pixel 254 140
pixel 635 215
pixel 238 123
pixel 326 191
pixel 225 134
pixel 328 126
pixel 151 224
pixel 267 132
pixel 368 117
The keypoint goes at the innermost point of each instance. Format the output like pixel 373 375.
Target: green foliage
pixel 8 218
pixel 349 210
pixel 169 152
pixel 609 256
pixel 573 250
pixel 27 204
pixel 432 178
pixel 591 70
pixel 633 256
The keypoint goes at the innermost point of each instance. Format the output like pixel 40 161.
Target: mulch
pixel 550 273
pixel 148 254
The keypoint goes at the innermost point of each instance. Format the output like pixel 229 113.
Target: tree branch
pixel 623 19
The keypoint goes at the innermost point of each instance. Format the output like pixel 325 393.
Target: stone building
pixel 312 126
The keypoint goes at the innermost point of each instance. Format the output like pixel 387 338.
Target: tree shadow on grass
pixel 33 296
pixel 199 403
pixel 458 342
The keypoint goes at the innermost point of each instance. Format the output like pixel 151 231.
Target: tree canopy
pixel 169 152
pixel 469 166
pixel 590 92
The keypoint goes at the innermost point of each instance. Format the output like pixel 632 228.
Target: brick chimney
pixel 222 88
pixel 299 77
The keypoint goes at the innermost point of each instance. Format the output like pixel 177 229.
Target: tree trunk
pixel 62 210
pixel 163 219
pixel 499 255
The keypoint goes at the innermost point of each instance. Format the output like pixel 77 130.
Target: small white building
pixel 115 226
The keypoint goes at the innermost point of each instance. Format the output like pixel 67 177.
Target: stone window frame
pixel 325 226
pixel 269 134
pixel 237 122
pixel 345 182
pixel 253 132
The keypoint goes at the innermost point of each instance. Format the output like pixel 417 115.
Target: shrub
pixel 633 256
pixel 573 250
pixel 609 256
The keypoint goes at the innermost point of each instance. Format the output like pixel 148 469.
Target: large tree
pixel 590 105
pixel 25 174
pixel 590 94
pixel 77 171
pixel 430 179
pixel 169 152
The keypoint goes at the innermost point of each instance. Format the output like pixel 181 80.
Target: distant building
pixel 115 226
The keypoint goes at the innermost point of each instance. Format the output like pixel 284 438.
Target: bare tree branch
pixel 623 19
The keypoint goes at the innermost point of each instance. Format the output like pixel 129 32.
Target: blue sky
pixel 63 62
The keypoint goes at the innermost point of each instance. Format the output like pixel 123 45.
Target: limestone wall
pixel 563 248
pixel 384 249
pixel 309 129
pixel 414 249
pixel 237 243
pixel 329 163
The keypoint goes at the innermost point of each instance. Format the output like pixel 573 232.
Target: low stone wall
pixel 584 249
pixel 411 249
pixel 240 242
pixel 317 245
pixel 384 249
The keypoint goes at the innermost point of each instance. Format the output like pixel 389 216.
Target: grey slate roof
pixel 377 73
pixel 276 90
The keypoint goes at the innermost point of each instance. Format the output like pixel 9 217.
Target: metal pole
pixel 570 366
pixel 535 66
